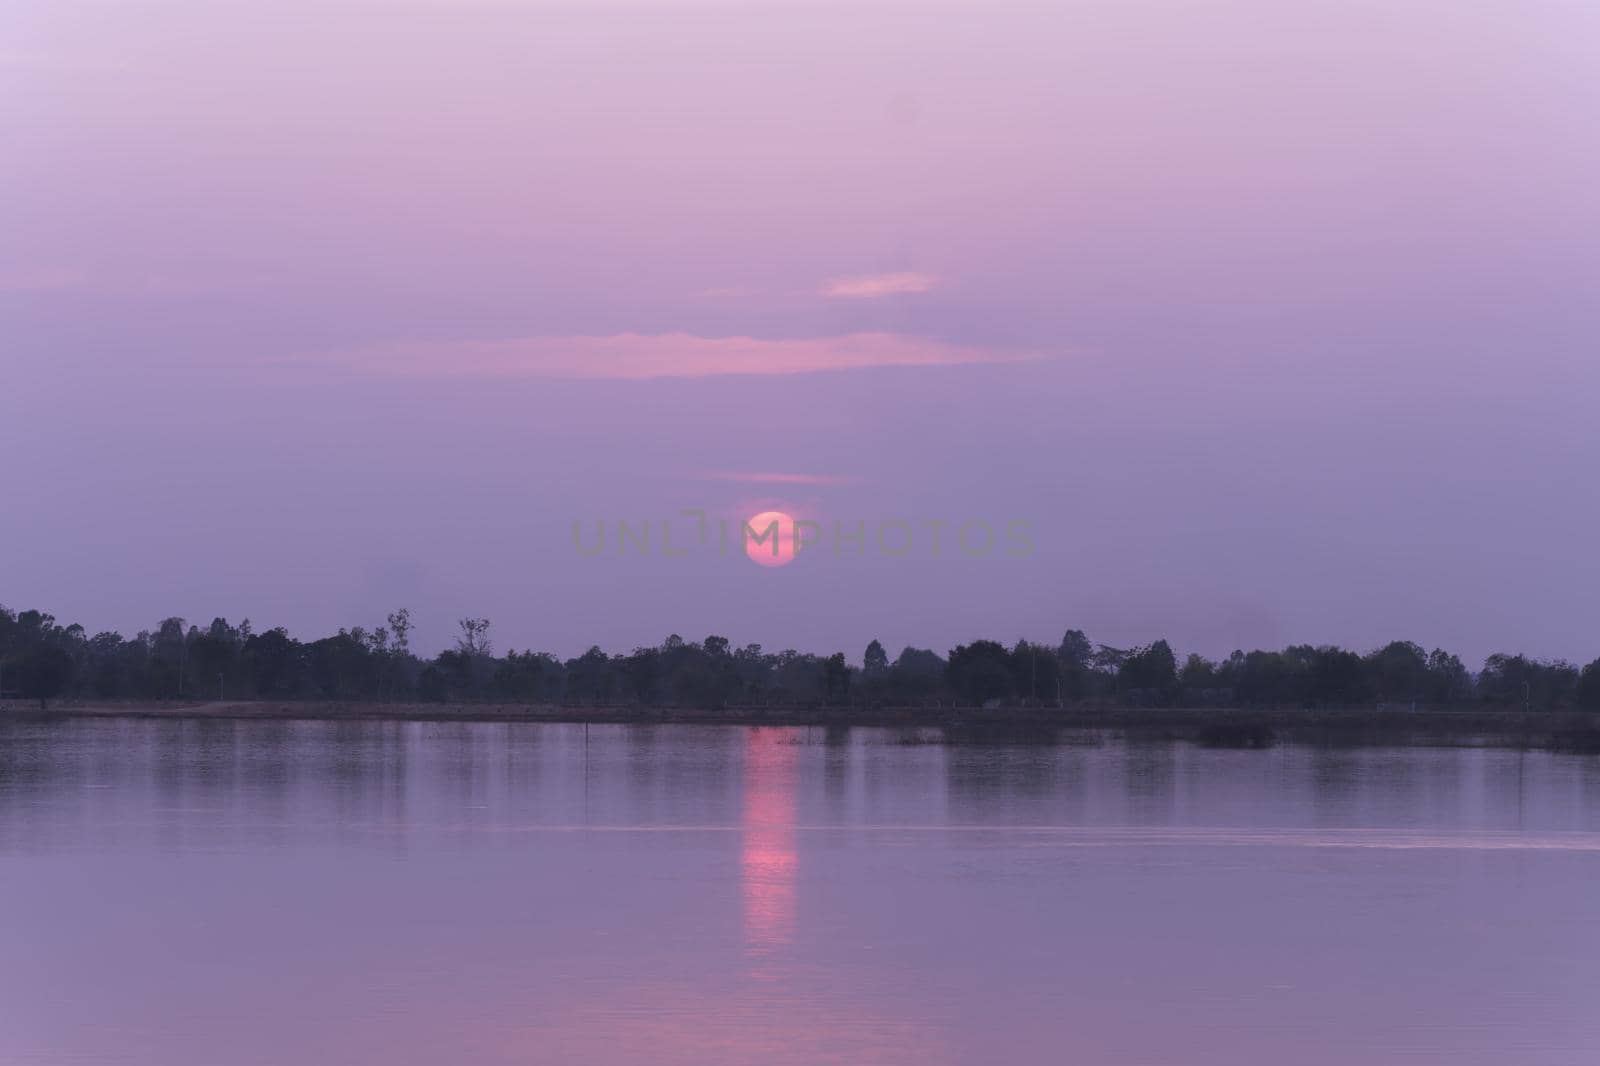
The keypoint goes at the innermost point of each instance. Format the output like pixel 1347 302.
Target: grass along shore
pixel 1575 731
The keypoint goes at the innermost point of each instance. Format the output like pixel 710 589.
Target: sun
pixel 769 538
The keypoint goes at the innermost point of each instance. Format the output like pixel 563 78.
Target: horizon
pixel 500 649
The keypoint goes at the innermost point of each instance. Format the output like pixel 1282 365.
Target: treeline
pixel 43 660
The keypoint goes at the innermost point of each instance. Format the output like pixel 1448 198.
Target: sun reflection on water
pixel 768 861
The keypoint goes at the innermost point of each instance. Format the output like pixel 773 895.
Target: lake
pixel 210 893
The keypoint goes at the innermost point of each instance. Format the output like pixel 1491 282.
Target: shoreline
pixel 1219 727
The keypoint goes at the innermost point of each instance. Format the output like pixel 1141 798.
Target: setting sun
pixel 769 538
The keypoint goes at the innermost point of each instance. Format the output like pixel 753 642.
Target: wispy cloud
pixel 634 356
pixel 876 286
pixel 775 478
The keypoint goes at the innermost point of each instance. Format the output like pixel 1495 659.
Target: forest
pixel 42 660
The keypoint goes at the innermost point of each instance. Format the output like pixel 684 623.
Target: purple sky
pixel 1275 321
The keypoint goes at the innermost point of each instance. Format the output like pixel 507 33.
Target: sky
pixel 1263 323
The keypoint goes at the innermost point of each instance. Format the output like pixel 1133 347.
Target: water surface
pixel 263 893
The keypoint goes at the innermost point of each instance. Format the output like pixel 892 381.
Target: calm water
pixel 216 893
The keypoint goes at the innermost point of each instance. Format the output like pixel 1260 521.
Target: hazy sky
pixel 1276 322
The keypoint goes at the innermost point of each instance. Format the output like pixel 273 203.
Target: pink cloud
pixel 641 356
pixel 875 286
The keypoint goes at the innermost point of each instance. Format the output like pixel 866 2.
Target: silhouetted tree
pixel 917 676
pixel 42 659
pixel 1399 672
pixel 590 677
pixel 169 656
pixel 641 672
pixel 473 641
pixel 43 672
pixel 432 685
pixel 980 671
pixel 1077 666
pixel 1589 687
pixel 214 657
pixel 341 667
pixel 400 649
pixel 1337 678
pixel 1149 675
pixel 1447 679
pixel 1075 649
pixel 1516 680
pixel 275 661
pixel 836 678
pixel 1034 672
pixel 523 678
pixel 752 673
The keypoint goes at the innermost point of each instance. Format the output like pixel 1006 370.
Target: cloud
pixel 876 286
pixel 637 356
pixel 776 478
